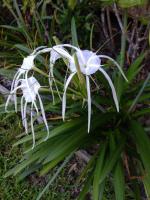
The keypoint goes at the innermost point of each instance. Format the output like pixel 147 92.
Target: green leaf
pixel 139 93
pixel 142 112
pixel 54 177
pixel 111 161
pixel 11 28
pixel 135 68
pixel 86 187
pixel 119 182
pixel 98 171
pixel 143 144
pixel 90 165
pixel 131 3
pixel 74 32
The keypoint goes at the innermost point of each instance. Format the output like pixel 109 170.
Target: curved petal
pixel 112 88
pixel 43 115
pixel 15 98
pixel 24 120
pixel 62 52
pixel 37 49
pixel 89 102
pixel 50 79
pixel 68 45
pixel 15 79
pixel 118 66
pixel 46 50
pixel 32 128
pixel 22 111
pixel 7 102
pixel 64 95
pixel 14 85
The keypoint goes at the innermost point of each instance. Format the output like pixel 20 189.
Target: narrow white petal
pixel 64 94
pixel 36 108
pixel 22 111
pixel 118 66
pixel 68 45
pixel 89 102
pixel 15 89
pixel 7 102
pixel 43 115
pixel 37 49
pixel 46 50
pixel 112 88
pixel 14 85
pixel 10 96
pixel 62 52
pixel 25 117
pixel 14 79
pixel 50 79
pixel 32 127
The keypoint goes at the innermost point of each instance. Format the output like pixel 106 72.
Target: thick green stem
pixel 40 71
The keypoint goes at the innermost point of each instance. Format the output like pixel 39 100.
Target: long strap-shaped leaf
pixel 140 93
pixel 143 145
pixel 112 88
pixel 32 127
pixel 119 182
pixel 64 95
pixel 97 172
pixel 54 177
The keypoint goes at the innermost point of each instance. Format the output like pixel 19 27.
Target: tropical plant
pixel 122 142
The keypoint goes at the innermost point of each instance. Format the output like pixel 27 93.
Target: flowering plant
pixel 84 62
pixel 92 85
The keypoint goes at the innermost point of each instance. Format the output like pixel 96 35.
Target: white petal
pixel 64 94
pixel 112 88
pixel 15 79
pixel 27 64
pixel 46 50
pixel 14 85
pixel 32 128
pixel 22 111
pixel 59 52
pixel 43 115
pixel 25 117
pixel 7 102
pixel 89 102
pixel 37 49
pixel 118 66
pixel 68 45
pixel 50 79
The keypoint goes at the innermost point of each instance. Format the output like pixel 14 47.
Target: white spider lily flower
pixel 30 89
pixel 27 65
pixel 89 64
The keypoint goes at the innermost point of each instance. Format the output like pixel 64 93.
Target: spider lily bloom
pixel 27 65
pixel 89 64
pixel 30 89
